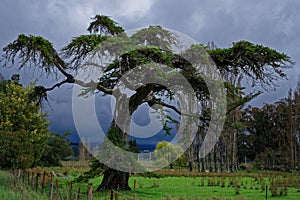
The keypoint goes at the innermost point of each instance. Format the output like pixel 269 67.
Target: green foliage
pixel 33 50
pixel 104 25
pixel 133 147
pixel 129 60
pixel 78 49
pixel 197 54
pixel 262 64
pixel 16 150
pixel 115 47
pixel 115 136
pixel 155 36
pixel 272 133
pixel 166 152
pixel 57 149
pixel 23 130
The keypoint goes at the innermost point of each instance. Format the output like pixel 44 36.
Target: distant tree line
pixel 266 137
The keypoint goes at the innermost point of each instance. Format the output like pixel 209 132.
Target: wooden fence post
pixel 51 185
pixel 43 183
pixel 28 178
pixel 14 178
pixel 19 175
pixel 135 196
pixel 90 191
pixel 71 190
pixel 134 189
pixel 134 186
pixel 56 187
pixel 78 194
pixel 32 180
pixel 23 176
pixel 37 182
pixel 266 192
pixel 111 194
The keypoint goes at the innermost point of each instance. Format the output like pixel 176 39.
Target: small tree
pixel 23 130
pixel 166 152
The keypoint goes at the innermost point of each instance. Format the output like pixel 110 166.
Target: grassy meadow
pixel 203 187
pixel 11 190
pixel 173 185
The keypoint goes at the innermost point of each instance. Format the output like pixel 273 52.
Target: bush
pixel 23 130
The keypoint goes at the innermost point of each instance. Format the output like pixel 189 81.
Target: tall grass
pixel 10 189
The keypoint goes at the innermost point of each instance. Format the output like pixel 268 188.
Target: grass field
pixel 198 188
pixel 184 185
pixel 174 185
pixel 9 190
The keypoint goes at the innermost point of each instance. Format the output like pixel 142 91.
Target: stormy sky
pixel 274 23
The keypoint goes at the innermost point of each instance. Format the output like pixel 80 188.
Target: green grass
pixel 9 190
pixel 192 188
pixel 173 186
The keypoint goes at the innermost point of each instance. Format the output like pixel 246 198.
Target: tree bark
pixel 114 179
pixel 202 165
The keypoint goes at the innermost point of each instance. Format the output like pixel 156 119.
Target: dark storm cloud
pixel 227 21
pixel 270 22
pixel 55 20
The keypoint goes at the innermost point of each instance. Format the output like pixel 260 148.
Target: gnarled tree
pixel 258 63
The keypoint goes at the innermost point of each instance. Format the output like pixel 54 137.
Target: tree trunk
pixel 202 164
pixel 171 166
pixel 190 166
pixel 114 179
pixel 234 151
